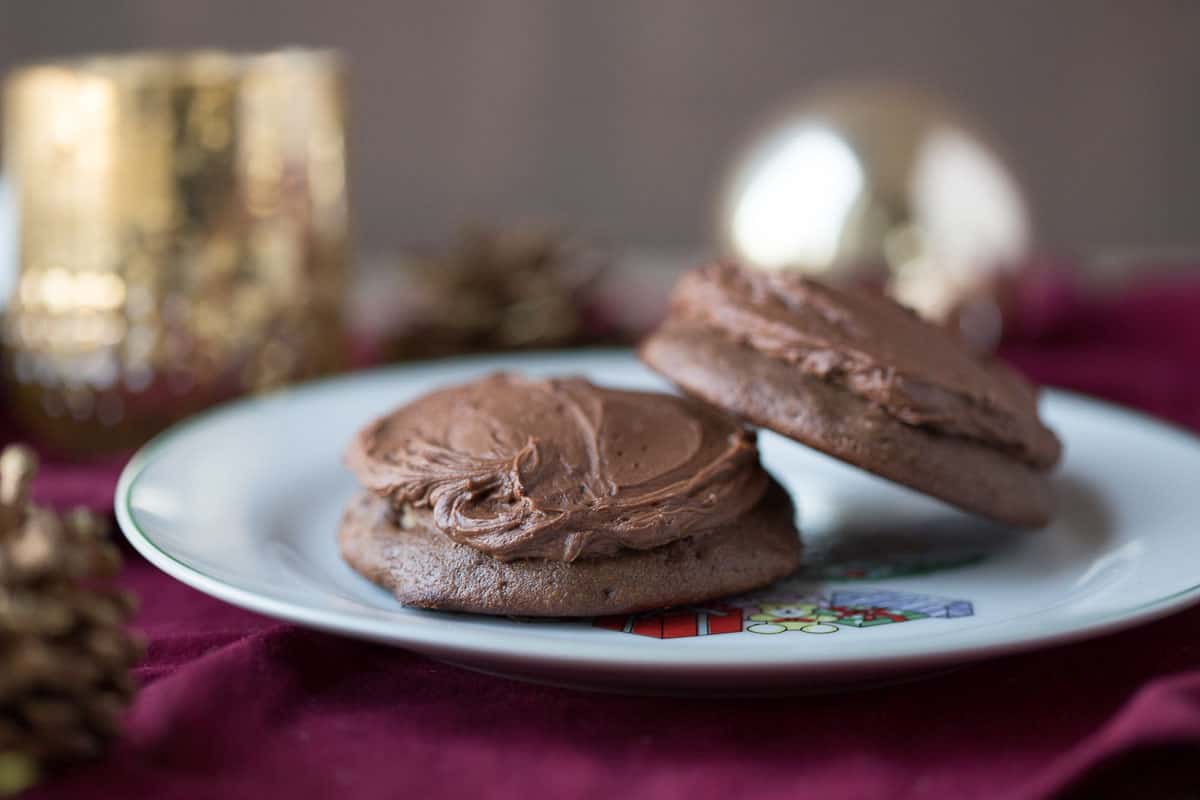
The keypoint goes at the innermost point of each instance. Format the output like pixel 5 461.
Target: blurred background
pixel 413 180
pixel 206 199
pixel 620 118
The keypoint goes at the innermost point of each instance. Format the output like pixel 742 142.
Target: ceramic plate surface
pixel 243 503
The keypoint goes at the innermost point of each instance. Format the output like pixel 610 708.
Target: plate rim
pixel 504 644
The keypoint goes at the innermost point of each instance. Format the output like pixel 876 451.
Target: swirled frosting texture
pixel 560 469
pixel 876 349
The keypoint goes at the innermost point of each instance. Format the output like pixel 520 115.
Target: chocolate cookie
pixel 858 376
pixel 510 486
pixel 423 567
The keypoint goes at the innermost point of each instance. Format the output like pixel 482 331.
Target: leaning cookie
pixel 510 495
pixel 859 377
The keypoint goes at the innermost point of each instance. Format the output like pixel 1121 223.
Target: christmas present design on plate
pixel 784 610
pixel 857 608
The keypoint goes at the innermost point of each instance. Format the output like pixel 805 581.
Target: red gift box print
pixel 676 623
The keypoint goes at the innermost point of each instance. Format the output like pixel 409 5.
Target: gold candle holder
pixel 183 236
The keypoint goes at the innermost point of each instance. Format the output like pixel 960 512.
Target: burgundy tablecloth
pixel 236 705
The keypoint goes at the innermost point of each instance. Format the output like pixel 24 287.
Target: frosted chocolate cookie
pixel 511 495
pixel 859 377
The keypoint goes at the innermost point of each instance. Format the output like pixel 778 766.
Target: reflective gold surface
pixel 182 236
pixel 880 184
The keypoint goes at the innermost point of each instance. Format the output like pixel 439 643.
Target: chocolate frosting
pixel 876 349
pixel 560 469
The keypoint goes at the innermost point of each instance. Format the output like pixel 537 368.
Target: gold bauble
pixel 884 185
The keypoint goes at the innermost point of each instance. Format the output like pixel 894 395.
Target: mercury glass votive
pixel 182 235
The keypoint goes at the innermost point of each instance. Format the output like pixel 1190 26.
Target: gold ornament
pixel 65 655
pixel 182 236
pixel 886 186
pixel 498 289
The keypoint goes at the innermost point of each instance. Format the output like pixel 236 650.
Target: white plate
pixel 243 503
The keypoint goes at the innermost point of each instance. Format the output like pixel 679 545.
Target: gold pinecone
pixel 500 289
pixel 65 655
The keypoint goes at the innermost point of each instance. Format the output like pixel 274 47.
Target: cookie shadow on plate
pixel 868 541
pixel 1083 513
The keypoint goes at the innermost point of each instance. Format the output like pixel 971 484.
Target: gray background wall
pixel 618 117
